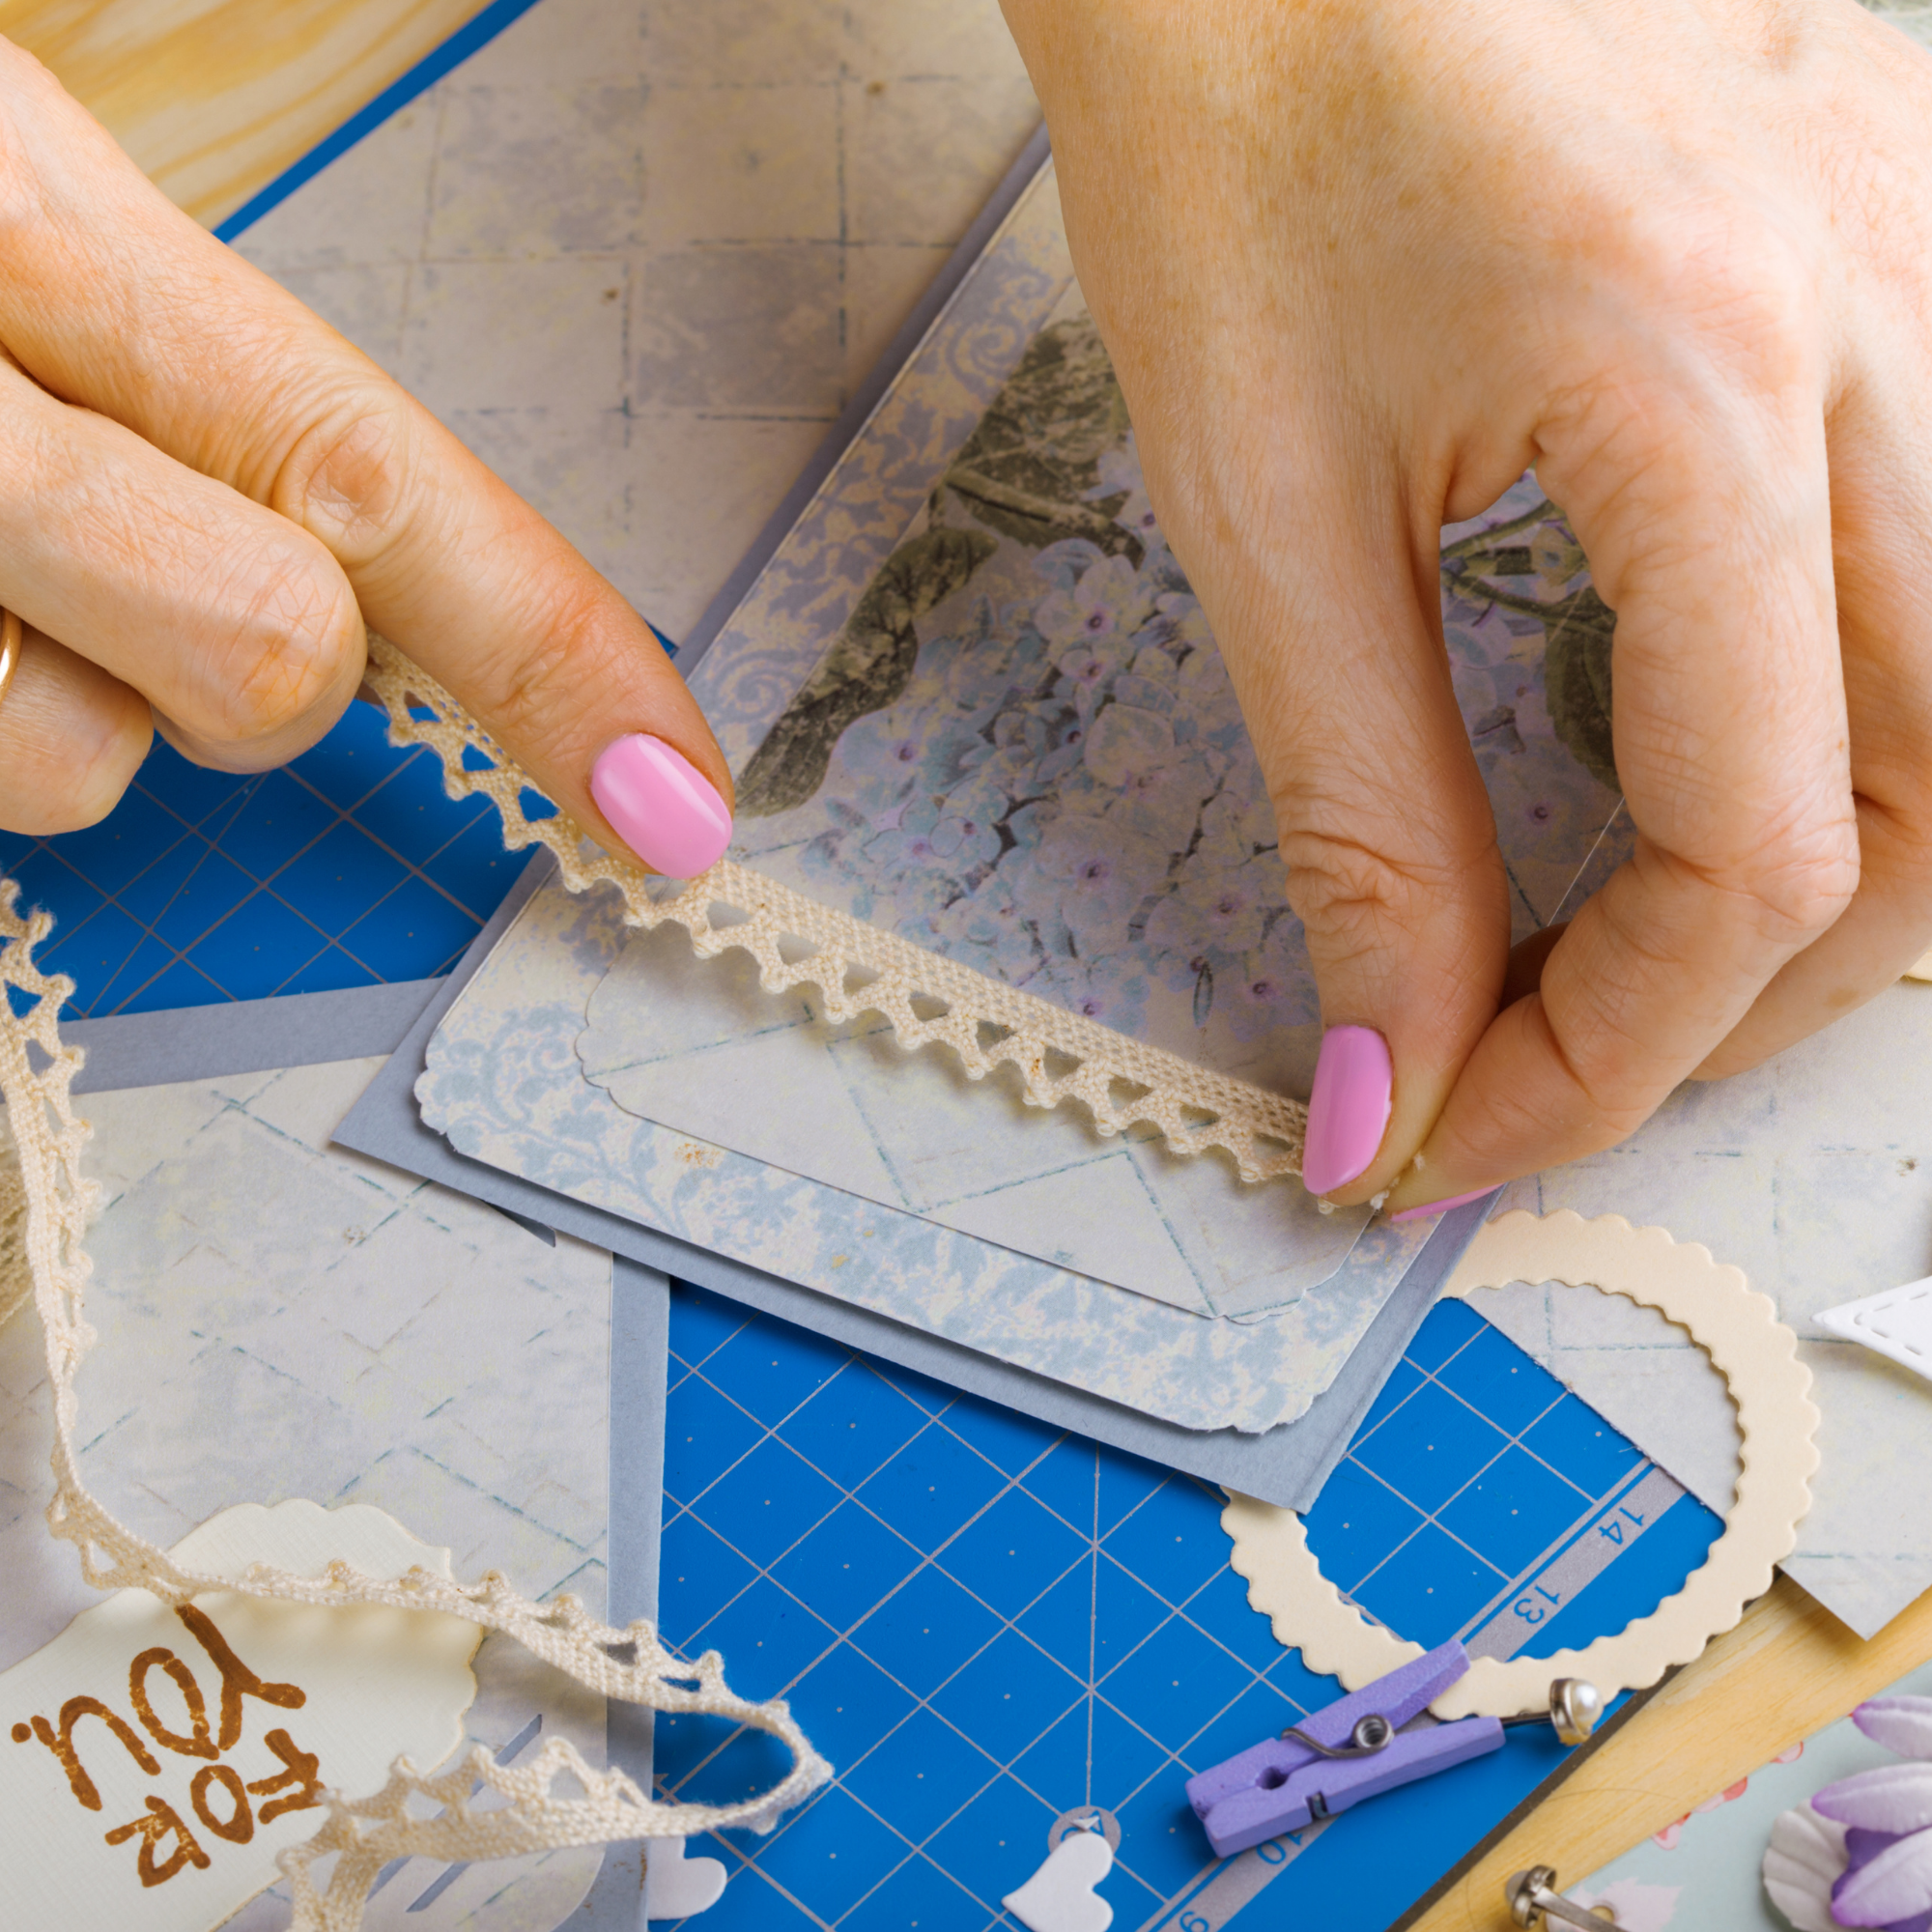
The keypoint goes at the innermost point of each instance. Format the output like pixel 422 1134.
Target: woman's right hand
pixel 1362 263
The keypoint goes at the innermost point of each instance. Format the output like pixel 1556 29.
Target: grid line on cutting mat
pixel 1086 1588
pixel 348 867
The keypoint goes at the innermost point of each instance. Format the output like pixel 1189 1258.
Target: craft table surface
pixel 1788 1671
pixel 984 1622
pixel 216 97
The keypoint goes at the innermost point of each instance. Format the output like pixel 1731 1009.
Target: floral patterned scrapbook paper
pixel 972 698
pixel 1021 749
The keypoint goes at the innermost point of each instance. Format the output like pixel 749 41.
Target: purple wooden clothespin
pixel 1355 1749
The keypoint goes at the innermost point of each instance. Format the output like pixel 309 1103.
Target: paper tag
pixel 154 1761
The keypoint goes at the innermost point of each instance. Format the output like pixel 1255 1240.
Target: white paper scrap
pixel 677 1887
pixel 1897 1323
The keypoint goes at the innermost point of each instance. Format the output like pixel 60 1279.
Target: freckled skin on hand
pixel 1358 270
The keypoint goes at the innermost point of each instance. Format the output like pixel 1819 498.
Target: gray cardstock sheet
pixel 1285 1466
pixel 252 1037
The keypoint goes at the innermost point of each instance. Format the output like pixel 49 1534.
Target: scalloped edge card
pixel 1778 1423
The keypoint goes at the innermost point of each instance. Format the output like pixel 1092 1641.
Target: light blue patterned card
pixel 698 1046
pixel 503 1083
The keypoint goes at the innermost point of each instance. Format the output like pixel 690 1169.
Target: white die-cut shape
pixel 677 1887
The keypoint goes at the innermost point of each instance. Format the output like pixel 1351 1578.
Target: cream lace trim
pixel 45 1203
pixel 45 1200
pixel 16 1281
pixel 1059 1056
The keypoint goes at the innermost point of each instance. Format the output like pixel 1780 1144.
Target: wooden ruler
pixel 1786 1671
pixel 216 98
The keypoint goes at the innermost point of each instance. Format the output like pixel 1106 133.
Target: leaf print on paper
pixel 868 669
pixel 1578 627
pixel 1031 467
pixel 1024 751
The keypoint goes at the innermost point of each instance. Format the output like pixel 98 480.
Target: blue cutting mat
pixel 349 867
pixel 985 1623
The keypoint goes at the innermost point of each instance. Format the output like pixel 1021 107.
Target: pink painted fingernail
pixel 660 806
pixel 1349 1110
pixel 1442 1206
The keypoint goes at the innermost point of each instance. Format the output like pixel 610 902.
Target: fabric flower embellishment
pixel 1861 1852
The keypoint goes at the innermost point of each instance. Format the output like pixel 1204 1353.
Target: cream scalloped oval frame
pixel 1778 1423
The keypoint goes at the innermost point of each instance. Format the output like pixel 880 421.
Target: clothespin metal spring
pixel 1373 1734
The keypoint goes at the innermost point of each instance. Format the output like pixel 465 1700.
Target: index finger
pixel 1703 504
pixel 114 298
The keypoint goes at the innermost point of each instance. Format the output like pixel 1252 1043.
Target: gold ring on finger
pixel 10 651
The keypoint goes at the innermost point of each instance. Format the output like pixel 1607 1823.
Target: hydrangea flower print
pixel 1024 749
pixel 1107 602
pixel 1088 822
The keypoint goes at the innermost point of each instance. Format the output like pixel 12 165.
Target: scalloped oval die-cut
pixel 158 1759
pixel 1777 1425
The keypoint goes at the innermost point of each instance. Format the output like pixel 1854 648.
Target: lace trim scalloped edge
pixel 856 968
pixel 1777 1424
pixel 46 1200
